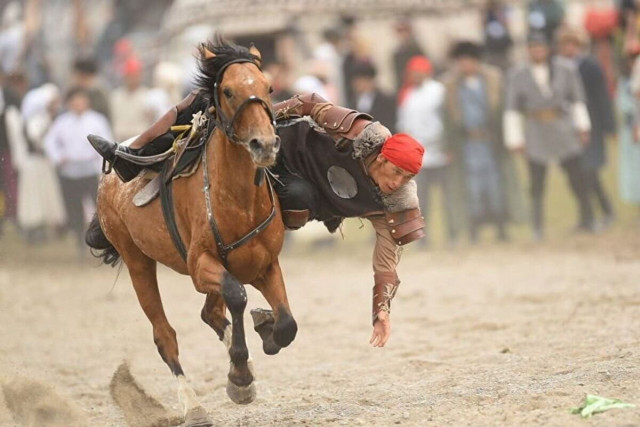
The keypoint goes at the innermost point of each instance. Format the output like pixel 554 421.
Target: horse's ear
pixel 206 53
pixel 253 50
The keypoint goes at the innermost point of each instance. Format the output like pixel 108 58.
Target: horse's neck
pixel 232 169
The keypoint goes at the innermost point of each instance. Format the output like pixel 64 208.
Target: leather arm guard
pixel 339 122
pixel 384 289
pixel 405 226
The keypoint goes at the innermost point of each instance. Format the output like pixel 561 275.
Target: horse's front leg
pixel 276 327
pixel 222 288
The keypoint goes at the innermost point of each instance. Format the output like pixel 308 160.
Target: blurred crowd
pixel 573 90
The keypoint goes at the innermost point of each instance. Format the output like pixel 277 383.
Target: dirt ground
pixel 494 335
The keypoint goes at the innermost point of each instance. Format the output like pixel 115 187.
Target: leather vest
pixel 343 187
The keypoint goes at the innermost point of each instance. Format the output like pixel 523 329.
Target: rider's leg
pixel 157 137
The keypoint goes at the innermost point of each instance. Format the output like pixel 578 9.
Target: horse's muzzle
pixel 264 150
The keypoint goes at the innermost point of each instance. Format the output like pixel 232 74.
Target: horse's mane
pixel 225 52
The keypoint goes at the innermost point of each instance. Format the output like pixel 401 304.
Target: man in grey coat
pixel 546 119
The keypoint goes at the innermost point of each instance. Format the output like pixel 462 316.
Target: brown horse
pixel 232 207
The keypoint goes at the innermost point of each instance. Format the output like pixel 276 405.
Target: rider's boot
pixel 108 150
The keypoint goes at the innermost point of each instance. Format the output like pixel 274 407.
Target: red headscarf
pixel 403 151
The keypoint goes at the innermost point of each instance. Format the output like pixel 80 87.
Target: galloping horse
pixel 235 207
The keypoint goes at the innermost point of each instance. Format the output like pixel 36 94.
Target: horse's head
pixel 239 93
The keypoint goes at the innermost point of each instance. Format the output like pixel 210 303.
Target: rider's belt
pixel 164 123
pixel 544 115
pixel 294 219
pixel 405 226
pixel 384 289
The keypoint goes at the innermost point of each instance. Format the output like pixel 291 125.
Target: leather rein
pixel 227 126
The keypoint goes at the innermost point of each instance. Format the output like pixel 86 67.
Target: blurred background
pixel 135 61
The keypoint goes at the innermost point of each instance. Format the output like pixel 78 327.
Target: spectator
pixel 420 115
pixel 315 81
pixel 473 123
pixel 357 50
pixel 497 37
pixel 278 75
pixel 629 137
pixel 572 47
pixel 329 52
pixel 9 113
pixel 40 203
pixel 406 49
pixel 370 99
pixel 129 103
pixel 542 123
pixel 12 38
pixel 545 16
pixel 85 75
pixel 166 91
pixel 77 162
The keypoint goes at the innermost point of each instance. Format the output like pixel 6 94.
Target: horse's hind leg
pixel 143 275
pixel 277 328
pixel 222 288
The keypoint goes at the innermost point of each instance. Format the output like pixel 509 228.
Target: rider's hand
pixel 381 330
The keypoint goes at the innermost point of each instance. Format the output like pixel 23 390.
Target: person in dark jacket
pixel 369 98
pixel 571 44
pixel 406 49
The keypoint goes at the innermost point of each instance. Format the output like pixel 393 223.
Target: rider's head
pixel 399 160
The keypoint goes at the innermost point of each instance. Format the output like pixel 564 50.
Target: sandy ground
pixel 489 336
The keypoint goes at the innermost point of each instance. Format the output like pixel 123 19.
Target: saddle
pixel 181 160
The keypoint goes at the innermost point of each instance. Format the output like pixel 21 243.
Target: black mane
pixel 225 52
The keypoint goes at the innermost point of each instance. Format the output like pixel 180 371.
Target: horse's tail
pixel 100 245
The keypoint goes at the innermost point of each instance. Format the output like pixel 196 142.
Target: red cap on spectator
pixel 419 63
pixel 131 66
pixel 403 151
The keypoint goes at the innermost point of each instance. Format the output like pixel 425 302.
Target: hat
pixel 466 48
pixel 364 69
pixel 131 66
pixel 403 151
pixel 419 63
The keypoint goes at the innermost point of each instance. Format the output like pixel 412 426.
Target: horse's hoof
pixel 241 395
pixel 197 417
pixel 270 347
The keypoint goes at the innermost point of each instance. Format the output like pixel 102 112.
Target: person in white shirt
pixel 546 119
pixel 78 164
pixel 420 115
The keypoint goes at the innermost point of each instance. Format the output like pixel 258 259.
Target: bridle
pixel 218 117
pixel 227 126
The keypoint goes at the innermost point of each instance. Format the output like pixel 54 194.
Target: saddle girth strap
pixel 168 211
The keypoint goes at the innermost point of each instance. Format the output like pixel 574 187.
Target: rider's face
pixel 388 176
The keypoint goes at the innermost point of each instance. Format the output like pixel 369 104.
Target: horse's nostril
pixel 255 145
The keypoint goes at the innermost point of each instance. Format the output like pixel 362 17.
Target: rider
pixel 333 163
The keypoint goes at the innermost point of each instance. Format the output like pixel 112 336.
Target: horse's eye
pixel 270 90
pixel 227 93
